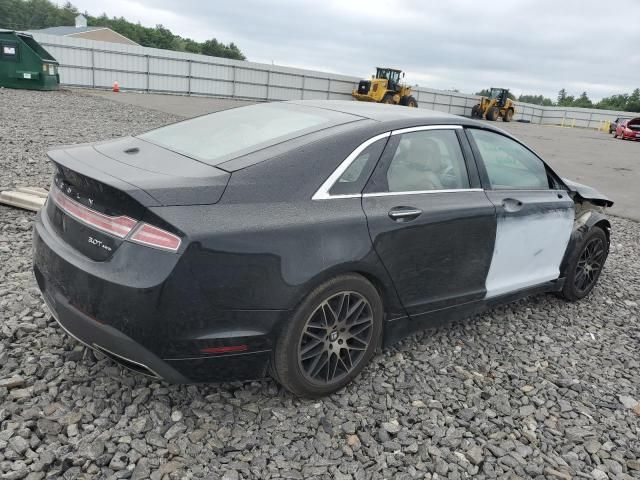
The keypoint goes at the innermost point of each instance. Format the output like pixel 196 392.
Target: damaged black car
pixel 295 239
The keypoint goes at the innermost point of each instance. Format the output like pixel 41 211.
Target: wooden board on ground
pixel 28 198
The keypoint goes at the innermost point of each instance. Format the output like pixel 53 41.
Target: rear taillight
pixel 118 226
pixel 152 236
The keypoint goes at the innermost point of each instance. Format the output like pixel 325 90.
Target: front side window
pixel 509 165
pixel 427 160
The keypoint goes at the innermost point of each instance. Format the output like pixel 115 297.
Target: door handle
pixel 512 205
pixel 404 214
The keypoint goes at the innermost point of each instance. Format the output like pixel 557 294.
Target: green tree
pixel 38 14
pixel 535 99
pixel 562 96
pixel 582 101
pixel 633 102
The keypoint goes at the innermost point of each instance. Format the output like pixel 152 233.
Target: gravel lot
pixel 537 389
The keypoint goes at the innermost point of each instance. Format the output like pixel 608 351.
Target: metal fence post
pixel 233 80
pixel 329 88
pixel 93 68
pixel 268 83
pixel 304 81
pixel 189 78
pixel 148 73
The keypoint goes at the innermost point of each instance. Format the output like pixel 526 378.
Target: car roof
pixel 369 119
pixel 381 112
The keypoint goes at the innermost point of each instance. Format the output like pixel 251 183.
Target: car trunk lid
pixel 102 191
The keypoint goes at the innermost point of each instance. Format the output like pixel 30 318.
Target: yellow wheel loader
pixel 385 87
pixel 497 105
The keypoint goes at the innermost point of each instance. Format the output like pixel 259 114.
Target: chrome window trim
pixel 323 192
pixel 420 192
pixel 426 127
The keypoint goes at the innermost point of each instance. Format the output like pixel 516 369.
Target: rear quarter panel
pixel 266 244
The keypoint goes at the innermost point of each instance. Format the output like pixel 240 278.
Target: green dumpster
pixel 25 64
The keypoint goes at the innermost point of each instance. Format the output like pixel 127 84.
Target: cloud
pixel 529 46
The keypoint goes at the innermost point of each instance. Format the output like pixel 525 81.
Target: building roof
pixel 91 33
pixel 67 30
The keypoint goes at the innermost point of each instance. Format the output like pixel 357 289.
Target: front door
pixel 534 215
pixel 430 223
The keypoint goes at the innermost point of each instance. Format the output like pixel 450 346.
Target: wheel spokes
pixel 589 264
pixel 335 337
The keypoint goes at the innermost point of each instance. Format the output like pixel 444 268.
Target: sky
pixel 528 46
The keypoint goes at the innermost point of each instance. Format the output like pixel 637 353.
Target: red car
pixel 628 129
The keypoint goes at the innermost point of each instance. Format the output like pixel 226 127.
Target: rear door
pixel 430 222
pixel 534 213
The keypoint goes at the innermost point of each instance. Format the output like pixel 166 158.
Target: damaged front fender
pixel 584 192
pixel 588 217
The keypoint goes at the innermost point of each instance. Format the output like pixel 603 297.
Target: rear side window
pixel 354 178
pixel 221 136
pixel 427 160
pixel 509 165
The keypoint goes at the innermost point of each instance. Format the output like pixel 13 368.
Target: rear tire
pixel 331 337
pixel 409 101
pixel 388 98
pixel 493 114
pixel 508 115
pixel 585 265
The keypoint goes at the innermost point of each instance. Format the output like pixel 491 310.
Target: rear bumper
pixel 106 339
pixel 154 344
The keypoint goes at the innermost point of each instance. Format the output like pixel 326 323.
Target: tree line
pixel 38 14
pixel 625 102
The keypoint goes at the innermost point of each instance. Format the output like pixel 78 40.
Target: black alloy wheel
pixel 585 265
pixel 590 264
pixel 331 337
pixel 335 337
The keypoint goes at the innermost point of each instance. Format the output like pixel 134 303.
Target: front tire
pixel 493 114
pixel 476 111
pixel 331 337
pixel 585 264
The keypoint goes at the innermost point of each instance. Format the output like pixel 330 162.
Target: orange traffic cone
pixel 116 87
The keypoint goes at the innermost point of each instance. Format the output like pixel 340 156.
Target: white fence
pixel 93 64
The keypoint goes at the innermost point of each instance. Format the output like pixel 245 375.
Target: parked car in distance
pixel 297 238
pixel 613 125
pixel 628 129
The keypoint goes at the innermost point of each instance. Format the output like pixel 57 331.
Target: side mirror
pixel 402 74
pixel 372 77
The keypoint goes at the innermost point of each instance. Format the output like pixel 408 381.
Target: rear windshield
pixel 221 136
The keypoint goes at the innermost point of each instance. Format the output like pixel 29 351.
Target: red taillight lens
pixel 155 237
pixel 119 226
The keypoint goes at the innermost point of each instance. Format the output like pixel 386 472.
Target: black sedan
pixel 295 239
